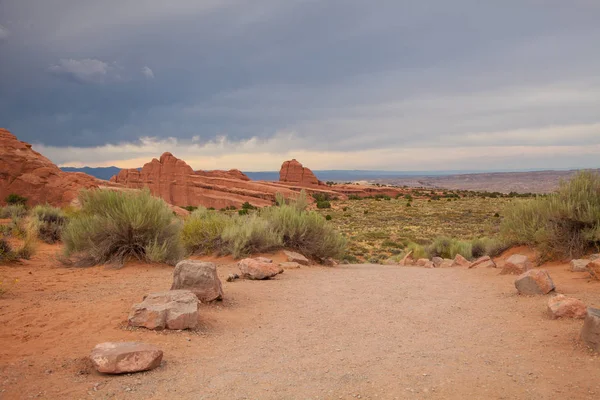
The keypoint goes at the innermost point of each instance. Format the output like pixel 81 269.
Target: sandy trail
pixel 316 333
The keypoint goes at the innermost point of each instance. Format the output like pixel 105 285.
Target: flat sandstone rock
pixel 125 357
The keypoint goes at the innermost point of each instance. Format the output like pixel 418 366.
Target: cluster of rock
pixel 438 262
pixel 261 268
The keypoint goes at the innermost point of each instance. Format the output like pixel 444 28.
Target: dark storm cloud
pixel 341 75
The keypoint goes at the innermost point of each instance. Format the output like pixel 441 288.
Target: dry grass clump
pixel 113 226
pixel 47 223
pixel 286 225
pixel 562 224
pixel 13 211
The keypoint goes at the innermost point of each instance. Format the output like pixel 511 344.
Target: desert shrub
pixel 248 206
pixel 446 247
pixel 15 199
pixel 323 204
pixel 113 226
pixel 47 223
pixel 6 251
pixel 321 197
pixel 344 208
pixel 305 231
pixel 250 234
pixel 202 230
pixel 328 217
pixel 13 211
pixel 27 249
pixel 354 197
pixel 190 208
pixel 563 224
pixel 418 251
pixel 243 212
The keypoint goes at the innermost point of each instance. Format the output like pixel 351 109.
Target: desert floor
pixel 353 331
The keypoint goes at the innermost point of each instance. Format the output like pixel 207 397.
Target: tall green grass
pixel 563 224
pixel 113 226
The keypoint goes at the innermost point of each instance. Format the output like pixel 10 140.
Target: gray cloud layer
pixel 338 75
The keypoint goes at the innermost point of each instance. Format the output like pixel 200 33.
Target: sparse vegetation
pixel 202 231
pixel 562 224
pixel 113 226
pixel 47 223
pixel 15 199
pixel 13 211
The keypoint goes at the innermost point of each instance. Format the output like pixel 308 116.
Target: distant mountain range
pixel 325 175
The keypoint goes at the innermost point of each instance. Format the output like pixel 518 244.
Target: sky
pixel 337 84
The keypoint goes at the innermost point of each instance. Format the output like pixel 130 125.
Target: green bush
pixel 15 199
pixel 323 204
pixel 354 197
pixel 248 206
pixel 562 224
pixel 113 226
pixel 250 234
pixel 202 230
pixel 47 223
pixel 418 251
pixel 328 217
pixel 446 247
pixel 13 211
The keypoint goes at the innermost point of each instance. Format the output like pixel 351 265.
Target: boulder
pixel 590 333
pixel 460 261
pixel 256 270
pixel 292 256
pixel 593 268
pixel 534 281
pixel 437 261
pixel 447 263
pixel 125 357
pixel 198 277
pixel 407 259
pixel 483 262
pixel 561 306
pixel 516 265
pixel 175 309
pixel 289 265
pixel 424 262
pixel 594 257
pixel 330 262
pixel 293 172
pixel 578 265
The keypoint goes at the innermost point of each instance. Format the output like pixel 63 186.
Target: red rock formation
pixel 26 172
pixel 177 183
pixel 293 172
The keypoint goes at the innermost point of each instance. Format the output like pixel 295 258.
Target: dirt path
pixel 363 331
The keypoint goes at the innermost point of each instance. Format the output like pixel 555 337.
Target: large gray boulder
pixel 590 333
pixel 175 309
pixel 125 357
pixel 199 278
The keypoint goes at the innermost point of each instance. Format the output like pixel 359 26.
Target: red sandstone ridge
pixel 26 172
pixel 293 172
pixel 177 183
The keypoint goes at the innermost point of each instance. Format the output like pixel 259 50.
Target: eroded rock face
pixel 26 172
pixel 258 270
pixel 199 278
pixel 294 172
pixel 590 333
pixel 516 265
pixel 175 309
pixel 483 262
pixel 125 357
pixel 561 306
pixel 177 183
pixel 535 281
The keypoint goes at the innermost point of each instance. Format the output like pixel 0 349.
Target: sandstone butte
pixel 28 173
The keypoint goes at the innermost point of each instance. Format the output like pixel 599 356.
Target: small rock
pixel 483 262
pixel 330 262
pixel 296 257
pixel 590 333
pixel 561 306
pixel 289 265
pixel 460 261
pixel 175 309
pixel 198 277
pixel 437 261
pixel 425 263
pixel 125 357
pixel 516 265
pixel 535 281
pixel 232 277
pixel 447 263
pixel 263 259
pixel 578 265
pixel 256 270
pixel 594 269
